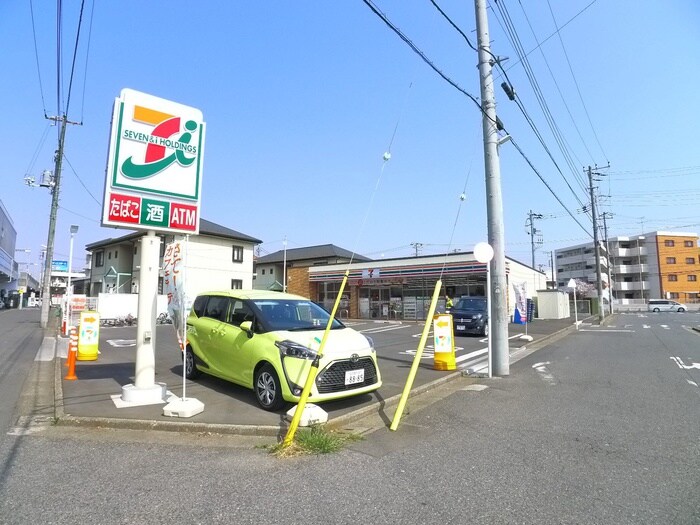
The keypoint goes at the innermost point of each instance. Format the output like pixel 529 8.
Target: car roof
pixel 254 294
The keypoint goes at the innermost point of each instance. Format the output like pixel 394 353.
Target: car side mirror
pixel 247 326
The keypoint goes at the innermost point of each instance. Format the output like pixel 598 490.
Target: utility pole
pixel 55 191
pixel 494 200
pixel 604 216
pixel 531 217
pixel 418 246
pixel 599 279
pixel 551 265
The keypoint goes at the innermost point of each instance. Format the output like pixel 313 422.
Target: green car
pixel 266 341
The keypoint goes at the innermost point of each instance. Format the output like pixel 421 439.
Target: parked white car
pixel 665 305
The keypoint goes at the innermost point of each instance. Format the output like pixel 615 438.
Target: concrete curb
pixel 63 419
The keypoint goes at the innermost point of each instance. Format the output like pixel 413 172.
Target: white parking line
pixel 544 373
pixel 383 328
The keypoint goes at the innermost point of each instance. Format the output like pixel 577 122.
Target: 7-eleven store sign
pixel 154 168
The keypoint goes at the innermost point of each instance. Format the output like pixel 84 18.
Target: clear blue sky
pixel 302 99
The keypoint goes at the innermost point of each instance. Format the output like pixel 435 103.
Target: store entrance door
pixel 379 303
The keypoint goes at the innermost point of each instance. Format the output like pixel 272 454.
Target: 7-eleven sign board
pixel 154 166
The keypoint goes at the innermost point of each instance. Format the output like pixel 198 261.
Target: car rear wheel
pixel 681 309
pixel 191 371
pixel 656 310
pixel 268 390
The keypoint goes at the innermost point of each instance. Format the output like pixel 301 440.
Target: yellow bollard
pixel 416 359
pixel 444 343
pixel 88 336
pixel 313 370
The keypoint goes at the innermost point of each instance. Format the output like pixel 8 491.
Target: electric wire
pixel 81 181
pixel 386 157
pixel 59 73
pixel 396 30
pixel 512 65
pixel 36 56
pixel 518 102
pixel 515 144
pixel 39 147
pixel 556 84
pixel 75 54
pixel 420 53
pixel 87 57
pixel 578 89
pixel 512 34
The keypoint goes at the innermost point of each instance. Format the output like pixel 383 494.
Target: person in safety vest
pixel 448 302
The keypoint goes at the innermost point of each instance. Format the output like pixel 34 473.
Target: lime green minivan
pixel 266 341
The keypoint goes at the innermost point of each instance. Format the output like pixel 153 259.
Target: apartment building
pixel 641 267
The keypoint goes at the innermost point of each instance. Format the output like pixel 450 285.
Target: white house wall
pixel 210 265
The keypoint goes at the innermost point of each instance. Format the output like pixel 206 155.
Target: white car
pixel 666 305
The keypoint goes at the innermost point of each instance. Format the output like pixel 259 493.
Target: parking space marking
pixel 383 328
pixel 683 366
pixel 544 372
pixel 665 327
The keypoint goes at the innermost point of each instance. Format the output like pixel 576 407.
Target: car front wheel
pixel 485 331
pixel 268 390
pixel 681 309
pixel 656 309
pixel 191 371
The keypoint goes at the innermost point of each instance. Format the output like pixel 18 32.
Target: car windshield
pixel 294 315
pixel 471 303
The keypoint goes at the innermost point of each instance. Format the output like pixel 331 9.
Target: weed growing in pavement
pixel 315 440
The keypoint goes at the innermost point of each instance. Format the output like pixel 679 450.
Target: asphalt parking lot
pixel 90 398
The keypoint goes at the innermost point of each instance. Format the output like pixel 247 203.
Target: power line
pixel 578 89
pixel 420 53
pixel 36 56
pixel 548 187
pixel 75 54
pixel 554 79
pixel 87 56
pixel 512 34
pixel 498 123
pixel 81 181
pixel 553 34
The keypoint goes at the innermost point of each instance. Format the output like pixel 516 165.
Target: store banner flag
pixel 174 285
pixel 520 314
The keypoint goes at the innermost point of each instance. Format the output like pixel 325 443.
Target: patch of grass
pixel 315 440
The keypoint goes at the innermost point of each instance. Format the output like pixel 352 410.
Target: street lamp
pixel 69 291
pixel 483 252
pixel 73 231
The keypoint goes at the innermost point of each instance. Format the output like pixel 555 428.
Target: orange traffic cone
pixel 72 355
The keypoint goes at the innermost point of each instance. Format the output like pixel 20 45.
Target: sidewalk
pixel 231 409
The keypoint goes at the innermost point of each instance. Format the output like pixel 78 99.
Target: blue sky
pixel 302 99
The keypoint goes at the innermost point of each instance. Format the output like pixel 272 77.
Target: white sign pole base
pixel 135 396
pixel 183 407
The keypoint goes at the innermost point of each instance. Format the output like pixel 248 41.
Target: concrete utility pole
pixel 596 247
pixel 604 216
pixel 55 190
pixel 494 200
pixel 531 217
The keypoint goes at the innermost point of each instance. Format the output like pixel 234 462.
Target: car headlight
pixel 477 316
pixel 371 342
pixel 291 349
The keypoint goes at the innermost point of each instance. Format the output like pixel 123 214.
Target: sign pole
pixel 145 390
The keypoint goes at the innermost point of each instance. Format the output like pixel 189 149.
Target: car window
pixel 240 312
pixel 468 303
pixel 293 314
pixel 217 308
pixel 199 304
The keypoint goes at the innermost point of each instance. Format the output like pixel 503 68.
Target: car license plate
pixel 459 327
pixel 354 376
